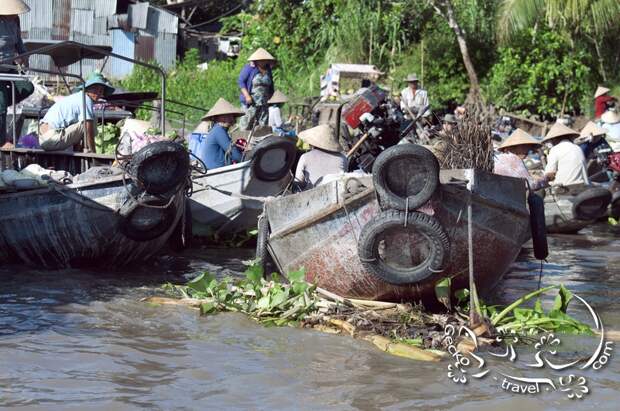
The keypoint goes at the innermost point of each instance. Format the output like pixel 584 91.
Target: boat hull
pixel 319 231
pixel 222 201
pixel 67 227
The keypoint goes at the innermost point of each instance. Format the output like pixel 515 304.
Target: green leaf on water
pixel 201 282
pixel 207 308
pixel 296 276
pixel 562 299
pixel 442 291
pixel 263 302
pixel 538 307
pixel 254 273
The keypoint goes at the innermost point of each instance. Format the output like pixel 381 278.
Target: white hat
pixel 610 117
pixel 321 136
pixel 261 54
pixel 10 7
pixel 222 107
pixel 411 78
pixel 278 98
pixel 591 129
pixel 518 138
pixel 560 130
pixel 600 91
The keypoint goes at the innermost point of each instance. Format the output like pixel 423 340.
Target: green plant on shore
pixel 530 321
pixel 270 302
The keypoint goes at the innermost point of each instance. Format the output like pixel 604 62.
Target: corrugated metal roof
pixel 144 48
pixel 83 4
pixel 82 21
pixel 40 15
pixel 166 49
pixel 161 21
pixel 138 15
pixel 100 26
pixel 123 44
pixel 105 8
pixel 61 19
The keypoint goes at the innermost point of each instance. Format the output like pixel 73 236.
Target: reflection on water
pixel 82 340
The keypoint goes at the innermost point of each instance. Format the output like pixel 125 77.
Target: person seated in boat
pixel 449 123
pixel 65 123
pixel 566 164
pixel 509 160
pixel 216 148
pixel 278 126
pixel 590 138
pixel 610 121
pixel 603 101
pixel 325 157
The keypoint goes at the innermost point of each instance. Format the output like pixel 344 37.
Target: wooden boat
pixel 568 210
pixel 228 200
pixel 103 217
pixel 320 229
pixel 93 222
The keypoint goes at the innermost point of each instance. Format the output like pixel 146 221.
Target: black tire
pixel 591 203
pixel 134 216
pixel 537 226
pixel 405 172
pixel 615 205
pixel 262 253
pixel 392 222
pixel 273 158
pixel 181 237
pixel 160 167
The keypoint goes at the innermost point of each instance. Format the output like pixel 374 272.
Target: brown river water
pixel 82 340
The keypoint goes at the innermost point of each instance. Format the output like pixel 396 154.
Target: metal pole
pixel 163 104
pixel 14 113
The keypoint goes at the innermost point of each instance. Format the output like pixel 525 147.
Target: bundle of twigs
pixel 469 145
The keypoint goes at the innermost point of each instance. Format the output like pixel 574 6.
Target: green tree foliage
pixel 530 55
pixel 537 75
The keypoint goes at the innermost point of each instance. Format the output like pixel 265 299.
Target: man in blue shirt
pixel 66 122
pixel 216 149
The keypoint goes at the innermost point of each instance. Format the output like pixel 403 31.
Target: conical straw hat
pixel 278 98
pixel 321 136
pixel 10 7
pixel 600 91
pixel 518 138
pixel 261 54
pixel 222 107
pixel 610 117
pixel 560 130
pixel 591 129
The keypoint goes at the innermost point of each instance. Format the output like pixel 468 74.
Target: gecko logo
pixel 567 374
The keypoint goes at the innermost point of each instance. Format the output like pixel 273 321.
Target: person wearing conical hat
pixel 11 45
pixel 602 101
pixel 66 122
pixel 566 164
pixel 591 137
pixel 610 121
pixel 413 98
pixel 256 85
pixel 509 161
pixel 275 115
pixel 324 159
pixel 216 149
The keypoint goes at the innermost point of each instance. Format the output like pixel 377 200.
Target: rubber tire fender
pixel 428 226
pixel 405 175
pixel 169 157
pixel 262 253
pixel 538 227
pixel 131 207
pixel 286 144
pixel 181 237
pixel 591 203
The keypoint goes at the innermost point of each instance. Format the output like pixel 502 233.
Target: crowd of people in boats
pixel 69 120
